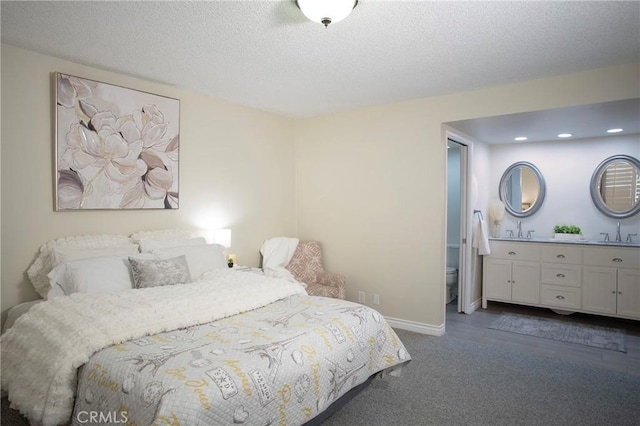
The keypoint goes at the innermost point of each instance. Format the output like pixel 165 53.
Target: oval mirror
pixel 615 186
pixel 522 189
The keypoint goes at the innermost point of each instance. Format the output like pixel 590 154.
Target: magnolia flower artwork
pixel 116 148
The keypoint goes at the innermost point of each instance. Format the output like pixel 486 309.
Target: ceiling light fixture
pixel 520 138
pixel 614 130
pixel 565 135
pixel 326 11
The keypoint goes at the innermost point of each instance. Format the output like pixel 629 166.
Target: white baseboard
pixel 475 305
pixel 417 327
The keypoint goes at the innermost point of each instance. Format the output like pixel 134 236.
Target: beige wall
pixel 371 184
pixel 236 171
pixel 368 183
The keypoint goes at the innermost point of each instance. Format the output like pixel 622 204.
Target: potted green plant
pixel 567 232
pixel 230 262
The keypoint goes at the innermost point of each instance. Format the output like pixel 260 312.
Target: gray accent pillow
pixel 159 272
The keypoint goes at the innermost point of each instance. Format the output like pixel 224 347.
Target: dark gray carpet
pixel 11 417
pixel 459 382
pixel 555 329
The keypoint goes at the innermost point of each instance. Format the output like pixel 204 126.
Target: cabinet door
pixel 629 292
pixel 497 279
pixel 599 289
pixel 525 282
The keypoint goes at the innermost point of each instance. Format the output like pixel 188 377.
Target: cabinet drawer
pixel 560 296
pixel 613 257
pixel 561 254
pixel 560 274
pixel 515 251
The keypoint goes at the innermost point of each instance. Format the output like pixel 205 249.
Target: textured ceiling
pixel 266 55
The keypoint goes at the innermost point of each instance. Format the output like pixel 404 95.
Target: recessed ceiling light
pixel 520 138
pixel 565 135
pixel 614 130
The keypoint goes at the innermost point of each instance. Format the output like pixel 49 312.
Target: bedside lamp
pixel 223 237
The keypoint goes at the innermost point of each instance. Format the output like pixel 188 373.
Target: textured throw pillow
pixel 159 272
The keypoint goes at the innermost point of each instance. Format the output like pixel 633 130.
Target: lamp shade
pixel 222 237
pixel 496 210
pixel 326 11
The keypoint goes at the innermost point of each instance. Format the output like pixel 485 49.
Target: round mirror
pixel 522 189
pixel 615 186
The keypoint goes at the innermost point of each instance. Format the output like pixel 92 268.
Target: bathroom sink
pixel 585 241
pixel 618 243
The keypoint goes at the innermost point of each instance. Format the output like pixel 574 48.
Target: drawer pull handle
pixel 560 275
pixel 617 259
pixel 560 256
pixel 560 297
pixel 512 253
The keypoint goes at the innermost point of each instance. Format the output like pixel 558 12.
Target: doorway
pixel 456 206
pixel 461 194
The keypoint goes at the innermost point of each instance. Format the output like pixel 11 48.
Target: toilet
pixel 452 283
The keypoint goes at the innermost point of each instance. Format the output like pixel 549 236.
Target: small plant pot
pixel 569 237
pixel 230 264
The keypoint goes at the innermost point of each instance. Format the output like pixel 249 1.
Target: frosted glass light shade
pixel 326 11
pixel 222 237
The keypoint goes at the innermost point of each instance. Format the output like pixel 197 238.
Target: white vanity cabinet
pixel 561 277
pixel 612 285
pixel 512 274
pixel 564 276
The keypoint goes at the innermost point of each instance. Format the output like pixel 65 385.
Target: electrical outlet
pixel 361 297
pixel 376 299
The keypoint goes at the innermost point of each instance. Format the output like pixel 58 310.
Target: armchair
pixel 306 266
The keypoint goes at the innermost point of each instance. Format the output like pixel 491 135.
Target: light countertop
pixel 560 241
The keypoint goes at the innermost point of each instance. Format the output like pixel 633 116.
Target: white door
pixel 525 282
pixel 629 292
pixel 497 279
pixel 457 222
pixel 599 289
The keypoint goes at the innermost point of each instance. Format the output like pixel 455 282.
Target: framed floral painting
pixel 116 148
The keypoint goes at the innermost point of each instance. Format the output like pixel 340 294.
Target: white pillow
pixel 148 244
pixel 105 274
pixel 200 258
pixel 64 254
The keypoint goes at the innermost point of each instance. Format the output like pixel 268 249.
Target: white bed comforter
pixel 42 351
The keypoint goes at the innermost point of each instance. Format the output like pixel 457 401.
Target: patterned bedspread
pixel 280 364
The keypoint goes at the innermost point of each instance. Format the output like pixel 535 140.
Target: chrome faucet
pixel 519 225
pixel 618 236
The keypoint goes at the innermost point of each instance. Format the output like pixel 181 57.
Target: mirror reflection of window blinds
pixel 620 186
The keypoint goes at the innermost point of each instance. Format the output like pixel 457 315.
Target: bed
pixel 188 342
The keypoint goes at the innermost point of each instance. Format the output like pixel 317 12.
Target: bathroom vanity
pixel 583 276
